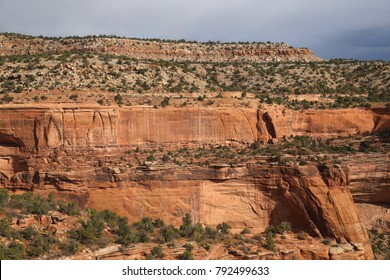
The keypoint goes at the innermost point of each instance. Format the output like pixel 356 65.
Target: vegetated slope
pixel 156 49
pixel 34 227
pixel 298 85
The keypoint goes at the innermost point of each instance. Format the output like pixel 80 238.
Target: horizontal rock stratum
pixel 157 49
pixel 90 127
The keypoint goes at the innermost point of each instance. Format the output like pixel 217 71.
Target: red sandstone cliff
pixel 89 127
pixel 39 145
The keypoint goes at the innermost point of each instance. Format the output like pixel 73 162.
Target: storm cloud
pixel 357 29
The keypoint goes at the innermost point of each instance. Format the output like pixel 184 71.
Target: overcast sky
pixel 331 28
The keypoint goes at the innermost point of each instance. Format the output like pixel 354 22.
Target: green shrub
pixel 70 247
pixel 30 204
pixel 70 208
pixel 157 252
pixel 211 233
pixel 224 228
pixel 145 224
pixel 169 233
pixel 29 233
pixel 187 255
pixel 283 227
pixel 270 229
pixel 143 237
pixel 3 197
pixel 246 231
pixel 128 238
pixel 186 229
pixel 74 97
pixel 90 230
pixel 38 247
pixel 165 102
pixel 3 252
pixel 258 237
pixel 5 229
pixel 158 223
pixel 16 251
pixel 270 242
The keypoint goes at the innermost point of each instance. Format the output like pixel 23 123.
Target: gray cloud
pixel 331 28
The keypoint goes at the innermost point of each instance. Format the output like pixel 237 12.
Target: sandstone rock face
pixel 252 197
pixel 94 127
pixel 158 50
pixel 327 123
pixel 369 178
pixel 56 150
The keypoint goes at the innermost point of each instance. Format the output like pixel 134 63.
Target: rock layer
pixel 144 49
pixel 93 127
pixel 67 151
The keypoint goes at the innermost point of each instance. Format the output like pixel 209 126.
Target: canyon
pixel 77 153
pixel 248 134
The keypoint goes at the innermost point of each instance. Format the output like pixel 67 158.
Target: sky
pixel 358 29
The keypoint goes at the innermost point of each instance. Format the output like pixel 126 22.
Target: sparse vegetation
pixel 338 83
pixel 380 243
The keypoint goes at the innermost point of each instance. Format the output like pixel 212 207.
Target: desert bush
pixel 38 247
pixel 3 197
pixel 69 208
pixel 246 231
pixel 5 229
pixel 169 233
pixel 283 227
pixel 187 255
pixel 165 102
pixel 270 242
pixel 16 251
pixel 70 247
pixel 186 229
pixel 30 204
pixel 145 224
pixel 258 237
pixel 224 228
pixel 30 233
pixel 90 230
pixel 157 252
pixel 158 223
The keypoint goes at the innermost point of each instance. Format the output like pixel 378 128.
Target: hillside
pixel 36 65
pixel 155 49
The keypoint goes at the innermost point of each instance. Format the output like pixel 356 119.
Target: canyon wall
pixel 73 153
pixel 93 127
pixel 314 199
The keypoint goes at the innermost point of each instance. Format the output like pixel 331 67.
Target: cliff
pixel 153 49
pixel 93 127
pixel 78 154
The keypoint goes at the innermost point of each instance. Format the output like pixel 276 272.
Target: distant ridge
pixel 156 49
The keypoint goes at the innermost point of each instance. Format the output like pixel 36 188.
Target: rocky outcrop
pixel 324 123
pixel 74 153
pixel 149 49
pixel 71 128
pixel 97 127
pixel 252 197
pixel 369 178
